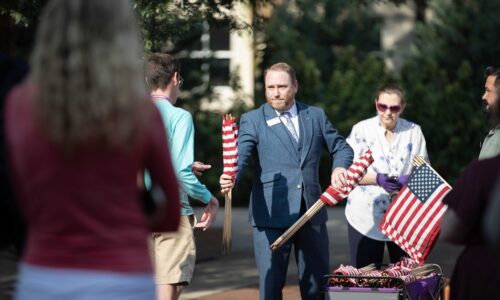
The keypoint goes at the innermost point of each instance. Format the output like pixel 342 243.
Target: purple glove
pixel 403 180
pixel 389 184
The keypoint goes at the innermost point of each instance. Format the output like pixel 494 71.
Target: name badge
pixel 273 121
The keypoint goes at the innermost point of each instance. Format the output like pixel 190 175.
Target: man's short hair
pixel 392 88
pixel 493 71
pixel 284 67
pixel 159 70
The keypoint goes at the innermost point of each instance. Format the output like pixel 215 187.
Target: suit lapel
pixel 306 130
pixel 280 131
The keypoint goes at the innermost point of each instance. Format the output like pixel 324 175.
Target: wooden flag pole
pixel 355 172
pixel 297 225
pixel 228 219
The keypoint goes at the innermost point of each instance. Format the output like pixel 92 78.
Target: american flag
pixel 355 173
pixel 413 219
pixel 230 145
pixel 230 160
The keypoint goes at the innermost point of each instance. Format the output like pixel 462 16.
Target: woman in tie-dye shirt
pixel 394 142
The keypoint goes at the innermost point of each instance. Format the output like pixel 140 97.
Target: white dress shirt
pixel 294 116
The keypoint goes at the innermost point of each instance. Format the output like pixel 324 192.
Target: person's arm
pixel 182 148
pixel 420 144
pixel 158 162
pixel 464 201
pixel 491 223
pixel 340 151
pixel 357 140
pixel 452 229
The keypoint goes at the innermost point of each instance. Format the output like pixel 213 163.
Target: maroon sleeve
pixel 160 167
pixel 468 197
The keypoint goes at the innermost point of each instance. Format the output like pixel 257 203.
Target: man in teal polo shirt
pixel 174 253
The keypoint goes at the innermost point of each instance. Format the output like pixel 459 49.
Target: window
pixel 207 60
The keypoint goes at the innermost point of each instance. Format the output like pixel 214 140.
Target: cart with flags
pixel 412 221
pixel 405 280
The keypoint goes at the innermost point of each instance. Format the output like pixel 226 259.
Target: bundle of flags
pixel 355 173
pixel 407 270
pixel 331 196
pixel 230 160
pixel 413 219
pixel 230 145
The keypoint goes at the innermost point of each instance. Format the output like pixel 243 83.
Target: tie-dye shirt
pixel 366 204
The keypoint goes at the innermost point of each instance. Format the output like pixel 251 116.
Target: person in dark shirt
pixel 477 270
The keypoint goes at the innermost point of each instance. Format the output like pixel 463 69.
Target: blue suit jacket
pixel 283 175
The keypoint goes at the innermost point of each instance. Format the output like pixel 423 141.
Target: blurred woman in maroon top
pixel 477 270
pixel 78 133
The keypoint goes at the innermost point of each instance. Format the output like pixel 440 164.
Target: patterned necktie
pixel 289 125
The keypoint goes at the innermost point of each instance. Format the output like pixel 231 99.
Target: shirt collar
pixel 492 131
pixel 397 128
pixel 160 97
pixel 293 110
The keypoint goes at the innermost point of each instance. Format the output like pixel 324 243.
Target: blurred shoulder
pixel 405 125
pixel 20 97
pixel 371 123
pixel 172 112
pixel 254 113
pixel 310 109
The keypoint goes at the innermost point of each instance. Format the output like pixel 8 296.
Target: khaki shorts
pixel 173 254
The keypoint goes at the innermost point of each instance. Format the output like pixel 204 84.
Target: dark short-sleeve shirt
pixel 477 271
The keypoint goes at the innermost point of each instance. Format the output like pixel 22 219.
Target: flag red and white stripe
pixel 413 219
pixel 230 161
pixel 355 173
pixel 230 145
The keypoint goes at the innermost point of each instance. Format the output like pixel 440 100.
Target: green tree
pixel 167 26
pixel 444 80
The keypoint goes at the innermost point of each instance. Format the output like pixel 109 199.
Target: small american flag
pixel 230 145
pixel 413 219
pixel 355 173
pixel 230 160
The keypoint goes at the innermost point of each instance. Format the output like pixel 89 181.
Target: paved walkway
pixel 235 277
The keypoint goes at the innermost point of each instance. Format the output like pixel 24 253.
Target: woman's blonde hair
pixel 88 73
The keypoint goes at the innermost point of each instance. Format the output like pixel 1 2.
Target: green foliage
pixel 172 26
pixel 444 79
pixel 334 47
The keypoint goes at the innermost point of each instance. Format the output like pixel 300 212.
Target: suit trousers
pixel 310 246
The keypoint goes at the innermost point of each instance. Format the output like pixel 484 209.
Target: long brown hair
pixel 88 72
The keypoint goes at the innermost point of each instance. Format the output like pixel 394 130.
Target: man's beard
pixel 493 114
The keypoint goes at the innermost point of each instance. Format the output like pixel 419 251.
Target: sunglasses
pixel 181 80
pixel 384 107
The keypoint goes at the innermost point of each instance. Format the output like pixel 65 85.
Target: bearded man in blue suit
pixel 285 138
